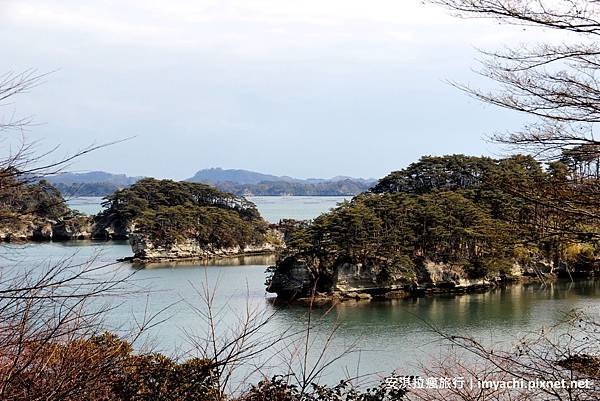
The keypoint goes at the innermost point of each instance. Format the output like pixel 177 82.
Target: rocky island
pixel 37 211
pixel 162 219
pixel 443 224
pixel 168 220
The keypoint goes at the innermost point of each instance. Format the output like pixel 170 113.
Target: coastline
pixel 338 297
pixel 143 262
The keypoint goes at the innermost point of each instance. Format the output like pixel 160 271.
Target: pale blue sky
pixel 310 88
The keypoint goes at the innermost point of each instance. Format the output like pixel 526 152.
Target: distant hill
pixel 216 175
pixel 282 188
pixel 236 181
pixel 339 178
pixel 249 183
pixel 92 177
pixel 93 183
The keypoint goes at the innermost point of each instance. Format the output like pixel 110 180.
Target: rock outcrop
pixel 167 220
pixel 297 277
pixel 107 227
pixel 37 212
pixel 39 229
pixel 147 251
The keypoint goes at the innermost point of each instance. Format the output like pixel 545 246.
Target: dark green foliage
pixel 37 199
pixel 391 229
pixel 443 173
pixel 24 204
pixel 151 193
pixel 208 225
pixel 473 212
pixel 168 211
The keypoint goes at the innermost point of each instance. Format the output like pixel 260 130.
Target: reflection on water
pixel 391 334
pixel 397 334
pixel 227 261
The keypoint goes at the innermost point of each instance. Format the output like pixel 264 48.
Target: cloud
pixel 224 80
pixel 241 26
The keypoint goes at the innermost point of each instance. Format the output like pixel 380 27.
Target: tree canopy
pixel 22 202
pixel 468 211
pixel 168 211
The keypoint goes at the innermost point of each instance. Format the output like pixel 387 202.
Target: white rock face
pixel 350 280
pixel 189 249
pixel 46 230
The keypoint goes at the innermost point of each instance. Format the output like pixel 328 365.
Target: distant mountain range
pixel 91 177
pixel 237 176
pixel 240 182
pixel 251 183
pixel 93 183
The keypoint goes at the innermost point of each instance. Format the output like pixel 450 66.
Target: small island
pixel 36 211
pixel 169 220
pixel 444 224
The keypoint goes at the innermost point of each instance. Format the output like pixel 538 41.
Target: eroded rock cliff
pixel 46 229
pixel 303 276
pixel 148 250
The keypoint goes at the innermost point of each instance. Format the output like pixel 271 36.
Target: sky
pixel 312 88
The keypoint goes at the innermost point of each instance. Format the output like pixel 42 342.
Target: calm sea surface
pixel 384 335
pixel 272 208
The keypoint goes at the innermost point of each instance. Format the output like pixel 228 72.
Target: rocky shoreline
pixel 145 251
pixel 136 261
pixel 295 279
pixel 78 228
pixel 68 229
pixel 337 297
pixel 410 292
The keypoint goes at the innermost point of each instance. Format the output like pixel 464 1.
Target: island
pixel 169 220
pixel 444 224
pixel 162 219
pixel 37 211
